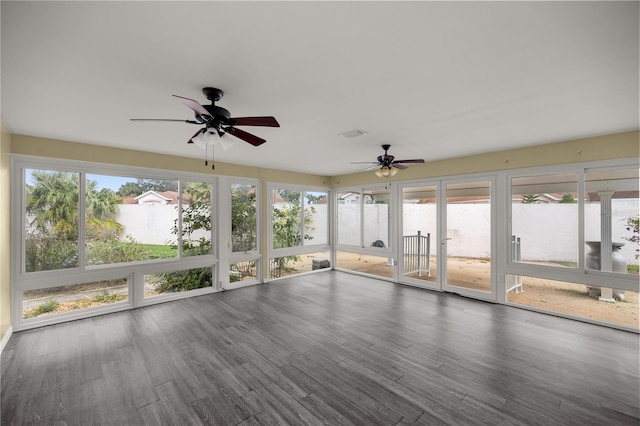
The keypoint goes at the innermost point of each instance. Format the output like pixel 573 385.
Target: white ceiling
pixel 433 79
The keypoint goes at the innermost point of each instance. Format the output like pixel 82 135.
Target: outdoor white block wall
pixel 547 231
pixel 376 224
pixel 320 223
pixel 151 223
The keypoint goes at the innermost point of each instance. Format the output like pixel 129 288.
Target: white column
pixel 606 293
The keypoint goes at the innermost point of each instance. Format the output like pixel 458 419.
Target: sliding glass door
pixel 419 247
pixel 467 241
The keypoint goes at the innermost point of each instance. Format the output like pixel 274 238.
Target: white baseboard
pixel 5 339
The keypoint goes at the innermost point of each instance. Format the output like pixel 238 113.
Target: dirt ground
pixel 555 296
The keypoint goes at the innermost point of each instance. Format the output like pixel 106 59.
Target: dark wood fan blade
pixel 204 129
pixel 409 161
pixel 254 121
pixel 398 166
pixel 364 162
pixel 193 105
pixel 247 137
pixel 375 166
pixel 164 119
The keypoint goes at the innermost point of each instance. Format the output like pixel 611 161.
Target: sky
pixel 111 182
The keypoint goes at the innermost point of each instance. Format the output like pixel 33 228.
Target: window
pixel 316 216
pixel 72 298
pixel 363 218
pixel 245 257
pixel 576 300
pixel 197 218
pixel 244 219
pixel 177 281
pixel 129 219
pixel 611 214
pixel 300 227
pixel 349 218
pixel 90 233
pixel 544 211
pixel 287 218
pixel 299 218
pixel 365 263
pixel 419 232
pixel 51 218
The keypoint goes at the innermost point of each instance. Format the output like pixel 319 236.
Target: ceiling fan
pixel 387 165
pixel 217 120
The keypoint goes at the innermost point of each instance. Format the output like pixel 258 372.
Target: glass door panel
pixel 467 241
pixel 419 248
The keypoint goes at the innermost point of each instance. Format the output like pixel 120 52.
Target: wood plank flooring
pixel 330 348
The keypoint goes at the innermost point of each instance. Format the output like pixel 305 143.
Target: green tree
pixel 530 198
pixel 633 225
pixel 52 201
pixel 287 231
pixel 243 218
pixel 567 198
pixel 133 189
pixel 290 196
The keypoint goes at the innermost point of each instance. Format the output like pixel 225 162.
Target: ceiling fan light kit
pixel 386 171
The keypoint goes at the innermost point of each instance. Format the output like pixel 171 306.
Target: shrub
pixel 43 253
pixel 48 306
pixel 115 251
pixel 190 279
pixel 633 225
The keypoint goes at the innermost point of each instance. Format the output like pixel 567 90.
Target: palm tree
pixel 101 211
pixel 52 201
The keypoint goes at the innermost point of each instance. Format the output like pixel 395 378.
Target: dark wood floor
pixel 330 348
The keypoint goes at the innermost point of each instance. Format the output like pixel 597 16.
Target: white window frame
pixel 305 246
pixel 579 275
pixel 228 256
pixel 362 248
pixel 134 271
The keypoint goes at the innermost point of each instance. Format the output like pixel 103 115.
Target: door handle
pixel 443 240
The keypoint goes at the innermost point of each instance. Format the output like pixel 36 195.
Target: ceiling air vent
pixel 353 133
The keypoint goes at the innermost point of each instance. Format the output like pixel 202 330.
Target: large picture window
pixel 89 236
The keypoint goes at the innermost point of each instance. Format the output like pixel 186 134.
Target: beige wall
pixel 5 234
pixel 619 145
pixel 29 145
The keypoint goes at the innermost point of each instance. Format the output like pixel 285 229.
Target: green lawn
pixel 161 251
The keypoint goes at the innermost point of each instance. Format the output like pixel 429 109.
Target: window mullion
pixel 82 219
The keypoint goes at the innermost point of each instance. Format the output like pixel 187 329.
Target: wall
pixel 548 232
pixel 5 234
pixel 618 145
pixel 29 145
